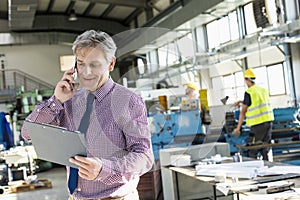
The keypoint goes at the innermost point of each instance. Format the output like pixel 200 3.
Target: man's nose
pixel 88 70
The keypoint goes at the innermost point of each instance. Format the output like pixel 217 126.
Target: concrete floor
pixel 57 176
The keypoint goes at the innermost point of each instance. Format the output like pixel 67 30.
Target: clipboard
pixel 54 143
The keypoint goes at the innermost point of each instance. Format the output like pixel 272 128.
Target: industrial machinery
pixel 20 162
pixel 174 129
pixel 23 105
pixel 231 121
pixel 286 122
pixel 174 120
pixel 286 128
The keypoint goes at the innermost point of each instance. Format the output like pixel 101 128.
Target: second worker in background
pixel 259 115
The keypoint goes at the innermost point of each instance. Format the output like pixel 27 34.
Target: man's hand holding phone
pixel 67 86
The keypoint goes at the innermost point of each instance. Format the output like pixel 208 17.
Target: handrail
pixel 14 78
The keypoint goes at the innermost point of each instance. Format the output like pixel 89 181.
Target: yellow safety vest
pixel 260 110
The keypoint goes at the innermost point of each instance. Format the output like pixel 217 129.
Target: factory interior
pixel 164 49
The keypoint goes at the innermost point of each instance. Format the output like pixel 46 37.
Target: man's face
pixel 188 91
pixel 248 82
pixel 92 67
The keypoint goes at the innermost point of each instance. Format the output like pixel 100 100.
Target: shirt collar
pixel 101 92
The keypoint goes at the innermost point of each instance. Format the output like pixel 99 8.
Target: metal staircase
pixel 13 81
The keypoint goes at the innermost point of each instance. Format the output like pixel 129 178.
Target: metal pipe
pixel 290 74
pixel 3 74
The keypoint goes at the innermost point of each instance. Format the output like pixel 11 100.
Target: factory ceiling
pixel 59 21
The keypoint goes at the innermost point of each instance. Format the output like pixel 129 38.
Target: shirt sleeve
pixel 139 158
pixel 45 112
pixel 247 99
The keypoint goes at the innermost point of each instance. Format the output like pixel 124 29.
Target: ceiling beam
pixel 15 38
pixel 130 3
pixel 133 15
pixel 88 9
pixel 107 11
pixel 70 7
pixel 4 15
pixel 177 14
pixel 50 6
pixel 61 23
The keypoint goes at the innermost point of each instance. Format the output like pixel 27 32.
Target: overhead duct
pixel 21 14
pixel 177 14
pixel 9 39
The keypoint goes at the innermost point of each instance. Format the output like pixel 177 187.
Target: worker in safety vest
pixel 259 114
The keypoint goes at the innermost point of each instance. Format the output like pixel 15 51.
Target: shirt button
pixel 53 104
pixel 38 110
pixel 79 189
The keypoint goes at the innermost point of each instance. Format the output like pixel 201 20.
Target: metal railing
pixel 14 80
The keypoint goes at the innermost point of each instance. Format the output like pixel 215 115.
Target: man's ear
pixel 112 64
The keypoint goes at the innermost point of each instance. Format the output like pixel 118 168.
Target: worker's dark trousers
pixel 260 134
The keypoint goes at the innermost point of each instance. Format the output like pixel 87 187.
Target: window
pixel 222 30
pixel 140 66
pixel 213 34
pixel 234 27
pixel 272 11
pixel 249 19
pixel 270 77
pixel 276 79
pixel 229 88
pixel 186 46
pixel 162 57
pixel 261 77
pixel 167 55
pixel 240 85
pixel 217 84
pixel 234 86
pixel 152 60
pixel 66 62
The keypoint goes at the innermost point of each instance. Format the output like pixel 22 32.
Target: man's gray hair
pixel 96 39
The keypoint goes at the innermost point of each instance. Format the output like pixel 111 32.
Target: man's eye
pixel 93 65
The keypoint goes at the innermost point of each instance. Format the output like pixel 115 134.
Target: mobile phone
pixel 72 85
pixel 75 68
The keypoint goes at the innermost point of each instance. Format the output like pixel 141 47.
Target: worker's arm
pixel 236 131
pixel 237 103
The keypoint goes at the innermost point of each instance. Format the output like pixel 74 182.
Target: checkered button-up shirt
pixel 118 134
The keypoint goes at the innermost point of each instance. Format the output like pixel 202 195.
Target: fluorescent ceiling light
pixel 23 8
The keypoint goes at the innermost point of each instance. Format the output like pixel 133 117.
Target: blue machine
pixel 231 120
pixel 286 118
pixel 233 141
pixel 174 129
pixel 286 127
